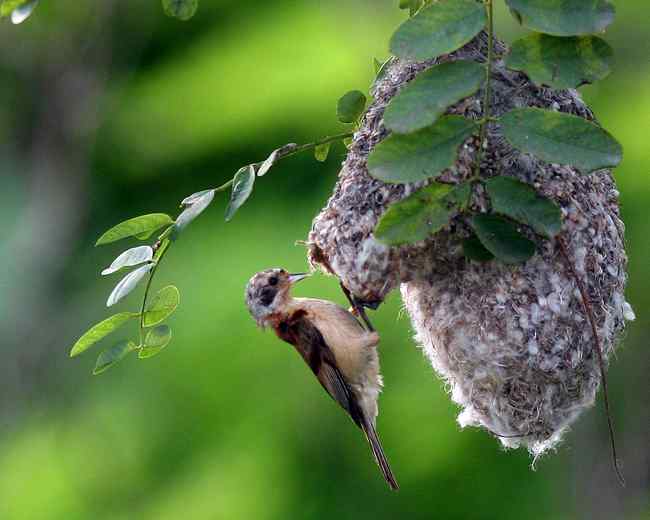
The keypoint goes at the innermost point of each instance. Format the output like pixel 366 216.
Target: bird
pixel 340 352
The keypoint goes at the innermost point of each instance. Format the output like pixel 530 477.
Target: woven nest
pixel 513 343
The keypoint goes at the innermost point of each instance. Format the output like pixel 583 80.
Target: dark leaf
pixel 127 284
pixel 501 238
pixel 564 17
pixel 162 306
pixel 351 106
pixel 242 188
pixel 181 9
pixel 420 103
pixel 420 155
pixel 438 29
pixel 138 226
pixel 561 138
pixel 100 331
pixel 113 355
pixel 519 201
pixel 474 250
pixel 561 62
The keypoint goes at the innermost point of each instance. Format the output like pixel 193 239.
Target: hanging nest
pixel 512 342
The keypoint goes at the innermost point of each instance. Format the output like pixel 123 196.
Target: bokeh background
pixel 110 110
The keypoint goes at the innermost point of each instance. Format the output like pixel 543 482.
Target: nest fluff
pixel 512 343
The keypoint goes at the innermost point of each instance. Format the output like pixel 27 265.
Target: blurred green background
pixel 111 110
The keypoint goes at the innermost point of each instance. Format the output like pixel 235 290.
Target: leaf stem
pixel 165 248
pixel 485 121
pixel 293 151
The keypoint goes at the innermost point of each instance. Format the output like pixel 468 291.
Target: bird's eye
pixel 273 280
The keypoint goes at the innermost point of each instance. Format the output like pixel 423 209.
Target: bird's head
pixel 267 293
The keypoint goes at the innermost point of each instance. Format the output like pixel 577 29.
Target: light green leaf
pixel 99 331
pixel 138 226
pixel 561 138
pixel 181 9
pixel 130 257
pixel 162 306
pixel 127 284
pixel 519 201
pixel 156 340
pixel 270 161
pixel 242 188
pixel 420 215
pixel 420 155
pixel 20 14
pixel 438 29
pixel 322 151
pixel 474 250
pixel 194 198
pixel 195 205
pixel 561 62
pixel 426 98
pixel 351 106
pixel 411 5
pixel 113 355
pixel 501 238
pixel 9 6
pixel 564 17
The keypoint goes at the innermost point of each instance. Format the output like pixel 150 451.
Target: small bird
pixel 340 352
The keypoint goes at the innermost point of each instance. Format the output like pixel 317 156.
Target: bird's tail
pixel 380 456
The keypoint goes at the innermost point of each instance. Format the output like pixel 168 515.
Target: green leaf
pixel 113 355
pixel 181 9
pixel 156 340
pixel 438 29
pixel 20 14
pixel 420 215
pixel 195 205
pixel 162 306
pixel 322 151
pixel 420 155
pixel 195 197
pixel 501 238
pixel 426 98
pixel 411 5
pixel 561 138
pixel 9 6
pixel 270 161
pixel 564 17
pixel 99 331
pixel 130 257
pixel 138 226
pixel 127 284
pixel 242 188
pixel 351 106
pixel 474 250
pixel 561 62
pixel 519 201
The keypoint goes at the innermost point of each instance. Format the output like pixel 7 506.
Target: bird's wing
pixel 309 342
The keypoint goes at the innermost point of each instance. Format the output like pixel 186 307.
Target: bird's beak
pixel 295 278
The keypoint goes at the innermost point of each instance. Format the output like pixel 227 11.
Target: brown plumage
pixel 339 351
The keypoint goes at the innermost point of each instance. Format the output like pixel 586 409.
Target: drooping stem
pixel 584 296
pixel 487 99
pixel 293 151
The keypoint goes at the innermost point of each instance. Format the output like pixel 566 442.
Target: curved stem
pixel 293 151
pixel 164 247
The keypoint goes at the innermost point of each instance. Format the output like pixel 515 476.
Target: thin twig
pixel 599 352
